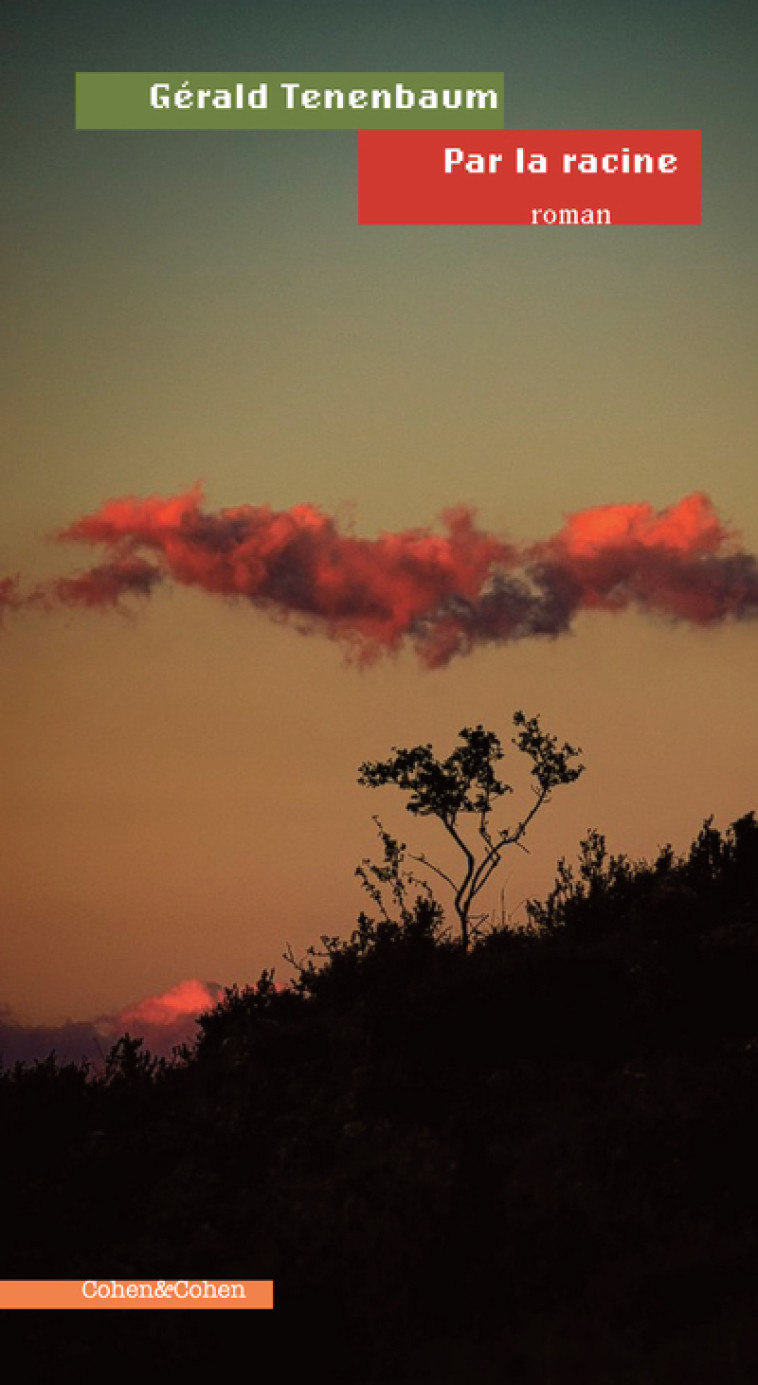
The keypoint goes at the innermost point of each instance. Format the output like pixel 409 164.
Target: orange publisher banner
pixel 553 178
pixel 136 1293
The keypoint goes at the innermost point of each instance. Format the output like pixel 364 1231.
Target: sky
pixel 198 317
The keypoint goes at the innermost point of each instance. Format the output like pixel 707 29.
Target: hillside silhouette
pixel 530 1161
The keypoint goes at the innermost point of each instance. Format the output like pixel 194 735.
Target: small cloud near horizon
pixel 163 1021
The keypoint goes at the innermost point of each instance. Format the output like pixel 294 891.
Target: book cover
pixel 374 377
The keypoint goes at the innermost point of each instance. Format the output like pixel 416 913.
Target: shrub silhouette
pixel 695 892
pixel 443 1157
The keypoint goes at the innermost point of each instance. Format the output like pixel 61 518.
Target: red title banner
pixel 529 178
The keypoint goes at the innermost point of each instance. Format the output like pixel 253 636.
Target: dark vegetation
pixel 531 1160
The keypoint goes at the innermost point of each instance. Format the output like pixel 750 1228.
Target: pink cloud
pixel 163 1021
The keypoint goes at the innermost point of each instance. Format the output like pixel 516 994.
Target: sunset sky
pixel 189 309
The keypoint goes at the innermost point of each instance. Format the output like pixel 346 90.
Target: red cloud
pixel 298 563
pixel 682 562
pixel 106 585
pixel 444 593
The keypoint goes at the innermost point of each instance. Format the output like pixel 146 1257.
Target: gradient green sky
pixel 179 789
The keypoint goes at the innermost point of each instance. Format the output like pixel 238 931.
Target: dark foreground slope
pixel 533 1163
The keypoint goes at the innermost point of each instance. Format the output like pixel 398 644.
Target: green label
pixel 289 100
